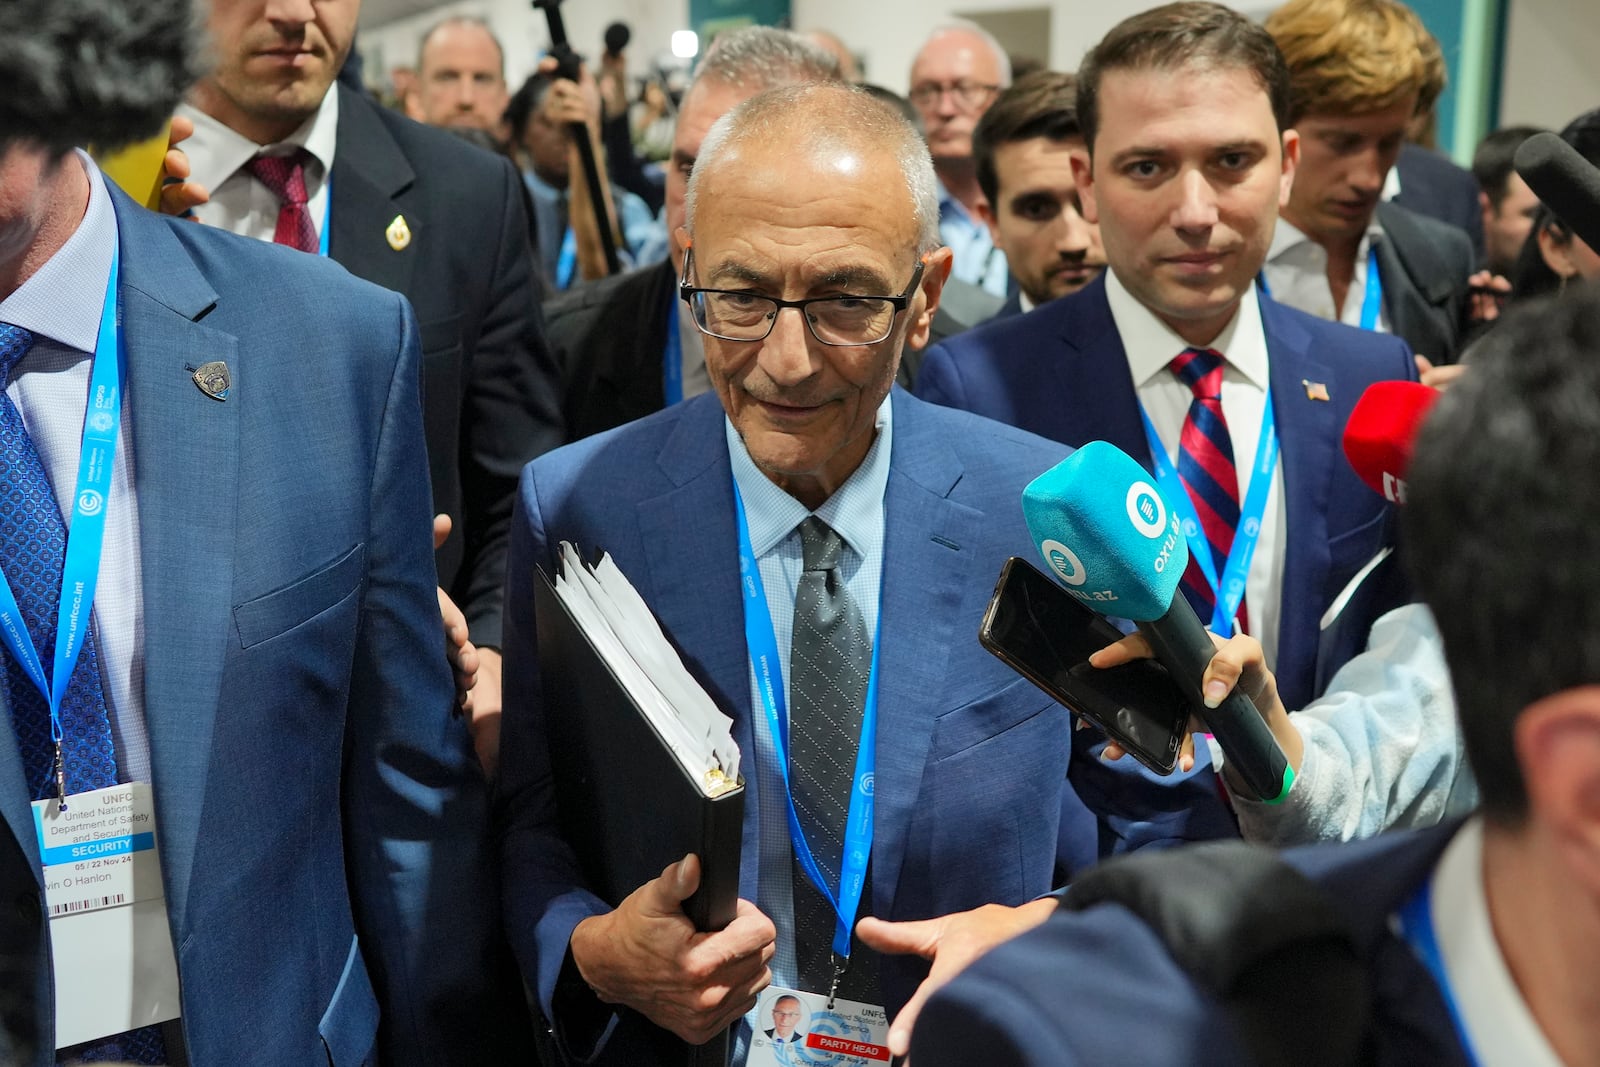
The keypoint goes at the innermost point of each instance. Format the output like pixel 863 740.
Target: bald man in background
pixel 955 76
pixel 461 78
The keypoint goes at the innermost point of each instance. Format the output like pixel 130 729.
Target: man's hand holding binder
pixel 647 955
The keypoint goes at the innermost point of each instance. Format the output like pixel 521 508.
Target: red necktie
pixel 286 177
pixel 1206 467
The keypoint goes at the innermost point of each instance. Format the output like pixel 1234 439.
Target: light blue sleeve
pixel 644 236
pixel 1382 747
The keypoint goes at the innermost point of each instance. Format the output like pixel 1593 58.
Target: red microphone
pixel 1382 429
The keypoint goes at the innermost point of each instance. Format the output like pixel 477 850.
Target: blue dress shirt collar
pixel 855 510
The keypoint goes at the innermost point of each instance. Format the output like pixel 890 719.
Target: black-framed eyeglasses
pixel 967 94
pixel 735 315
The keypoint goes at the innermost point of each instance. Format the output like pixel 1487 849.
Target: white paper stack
pixel 630 640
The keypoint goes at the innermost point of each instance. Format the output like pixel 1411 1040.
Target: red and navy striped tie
pixel 1206 467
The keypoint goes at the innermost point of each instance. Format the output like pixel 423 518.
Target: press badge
pixel 110 944
pixel 794 1028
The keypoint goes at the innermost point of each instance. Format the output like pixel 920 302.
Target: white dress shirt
pixel 241 204
pixel 60 305
pixel 1297 275
pixel 1151 345
pixel 1500 1027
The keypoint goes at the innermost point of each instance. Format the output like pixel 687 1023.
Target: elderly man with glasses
pixel 955 77
pixel 872 526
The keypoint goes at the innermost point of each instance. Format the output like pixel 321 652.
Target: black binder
pixel 626 804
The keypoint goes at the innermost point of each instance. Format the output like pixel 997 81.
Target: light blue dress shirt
pixel 639 231
pixel 60 305
pixel 856 512
pixel 976 260
pixel 1383 746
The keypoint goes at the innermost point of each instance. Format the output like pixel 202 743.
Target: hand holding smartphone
pixel 1037 629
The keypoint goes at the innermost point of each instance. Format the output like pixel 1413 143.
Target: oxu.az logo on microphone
pixel 1066 563
pixel 1148 513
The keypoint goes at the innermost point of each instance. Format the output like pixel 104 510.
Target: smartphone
pixel 1038 630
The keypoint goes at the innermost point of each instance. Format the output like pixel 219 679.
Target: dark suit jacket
pixel 488 379
pixel 1425 264
pixel 1099 986
pixel 321 817
pixel 973 803
pixel 1060 371
pixel 1012 306
pixel 609 337
pixel 962 306
pixel 1432 185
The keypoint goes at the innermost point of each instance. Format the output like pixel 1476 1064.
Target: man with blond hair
pixel 1358 72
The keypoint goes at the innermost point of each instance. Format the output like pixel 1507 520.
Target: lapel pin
pixel 398 233
pixel 213 379
pixel 1315 390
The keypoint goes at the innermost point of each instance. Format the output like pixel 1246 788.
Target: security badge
pixel 213 379
pixel 110 943
pixel 398 234
pixel 794 1028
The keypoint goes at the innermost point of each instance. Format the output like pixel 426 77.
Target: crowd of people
pixel 278 783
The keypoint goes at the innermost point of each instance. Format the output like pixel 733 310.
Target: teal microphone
pixel 1101 525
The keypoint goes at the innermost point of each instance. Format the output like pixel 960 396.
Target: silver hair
pixel 969 27
pixel 830 116
pixel 760 57
pixel 461 20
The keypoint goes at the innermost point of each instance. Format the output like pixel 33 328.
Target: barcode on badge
pixel 72 907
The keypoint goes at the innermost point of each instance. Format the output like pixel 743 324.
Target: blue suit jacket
pixel 1060 371
pixel 320 816
pixel 973 802
pixel 1099 986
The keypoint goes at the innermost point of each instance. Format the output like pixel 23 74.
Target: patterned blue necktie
pixel 33 549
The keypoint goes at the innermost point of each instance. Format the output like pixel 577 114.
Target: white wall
pixel 524 32
pixel 1551 45
pixel 887 33
pixel 1550 73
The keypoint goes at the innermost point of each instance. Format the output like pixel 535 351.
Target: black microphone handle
pixel 1182 645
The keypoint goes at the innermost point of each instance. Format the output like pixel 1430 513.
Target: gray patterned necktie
pixel 830 661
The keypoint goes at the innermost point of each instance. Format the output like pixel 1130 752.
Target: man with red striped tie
pixel 1233 401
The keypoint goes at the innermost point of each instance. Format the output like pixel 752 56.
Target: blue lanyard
pixel 1372 292
pixel 1230 590
pixel 672 359
pixel 1416 924
pixel 327 218
pixel 1372 298
pixel 80 571
pixel 567 259
pixel 762 642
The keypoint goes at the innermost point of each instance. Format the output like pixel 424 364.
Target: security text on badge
pixel 100 853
